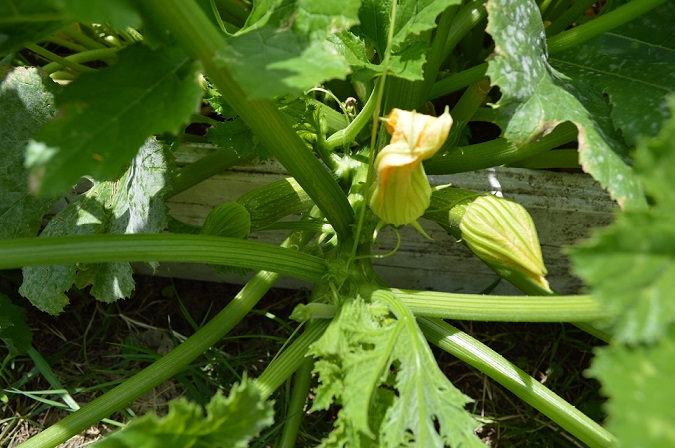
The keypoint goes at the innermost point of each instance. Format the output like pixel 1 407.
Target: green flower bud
pixel 502 234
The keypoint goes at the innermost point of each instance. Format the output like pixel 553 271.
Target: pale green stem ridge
pixel 290 359
pixel 531 391
pixel 78 58
pixel 296 405
pixel 458 81
pixel 468 17
pixel 579 308
pixel 349 133
pixel 569 16
pixel 20 252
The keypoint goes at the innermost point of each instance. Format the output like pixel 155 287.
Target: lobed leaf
pixel 634 66
pixel 640 277
pixel 104 117
pixel 536 98
pixel 639 383
pixel 227 422
pixel 26 103
pixel 409 45
pixel 282 48
pixel 133 204
pixel 270 63
pixel 25 21
pixel 379 367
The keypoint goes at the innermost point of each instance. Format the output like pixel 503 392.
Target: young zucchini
pixel 270 203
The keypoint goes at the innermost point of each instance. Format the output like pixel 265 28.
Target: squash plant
pixel 104 91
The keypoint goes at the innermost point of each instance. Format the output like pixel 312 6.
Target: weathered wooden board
pixel 564 207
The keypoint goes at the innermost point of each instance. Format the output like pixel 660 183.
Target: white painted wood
pixel 564 207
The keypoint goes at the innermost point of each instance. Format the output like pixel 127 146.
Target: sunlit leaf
pixel 536 98
pixel 104 117
pixel 634 66
pixel 26 103
pixel 133 204
pixel 225 422
pixel 379 367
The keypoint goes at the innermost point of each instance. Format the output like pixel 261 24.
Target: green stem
pixel 560 158
pixel 497 152
pixel 556 9
pixel 73 46
pixel 531 391
pixel 468 17
pixel 78 58
pixel 568 17
pixel 545 308
pixel 203 169
pixel 61 61
pixel 202 40
pixel 458 81
pixel 296 405
pixel 466 107
pixel 348 134
pixel 436 55
pixel 82 39
pixel 409 95
pixel 290 359
pixel 22 252
pixel 159 371
pixel 604 23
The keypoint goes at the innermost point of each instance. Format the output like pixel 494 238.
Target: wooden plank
pixel 564 207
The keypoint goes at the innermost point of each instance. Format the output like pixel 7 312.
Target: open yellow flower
pixel 402 191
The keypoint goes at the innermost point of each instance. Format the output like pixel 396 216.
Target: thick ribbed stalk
pixel 296 405
pixel 290 359
pixel 503 308
pixel 22 252
pixel 197 35
pixel 531 391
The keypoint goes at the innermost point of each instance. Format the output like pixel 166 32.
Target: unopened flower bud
pixel 502 234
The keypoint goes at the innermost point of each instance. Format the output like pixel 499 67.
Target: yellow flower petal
pixel 402 192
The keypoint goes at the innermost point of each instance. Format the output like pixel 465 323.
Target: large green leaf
pixel 230 422
pixel 639 382
pixel 24 21
pixel 133 204
pixel 407 64
pixel 104 117
pixel 631 264
pixel 634 65
pixel 269 63
pixel 413 17
pixel 283 50
pixel 536 98
pixel 118 13
pixel 379 367
pixel 26 103
pixel 409 44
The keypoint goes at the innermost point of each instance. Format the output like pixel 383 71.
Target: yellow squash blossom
pixel 402 191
